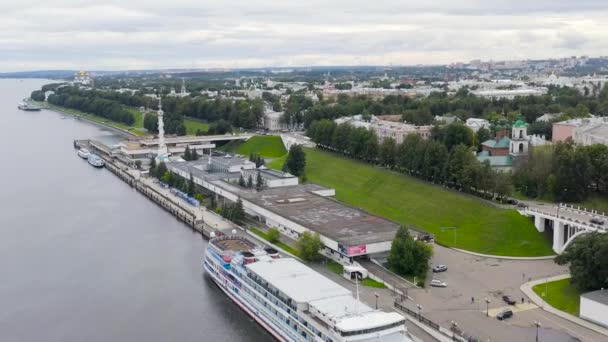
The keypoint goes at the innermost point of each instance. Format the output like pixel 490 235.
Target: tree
pixel 407 256
pixel 250 181
pixel 273 235
pixel 187 153
pixel 238 213
pixel 191 186
pixel 388 150
pixel 259 182
pixel 242 183
pixel 588 258
pixel 296 160
pixel 194 155
pixel 483 134
pixel 161 170
pixel 309 245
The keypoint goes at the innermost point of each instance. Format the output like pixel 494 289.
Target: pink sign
pixel 357 250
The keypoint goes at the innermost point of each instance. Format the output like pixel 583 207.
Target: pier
pixel 198 218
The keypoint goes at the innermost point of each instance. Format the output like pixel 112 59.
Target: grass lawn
pixel 268 146
pixel 279 243
pixel 482 228
pixel 372 283
pixel 561 295
pixel 133 129
pixel 193 125
pixel 335 267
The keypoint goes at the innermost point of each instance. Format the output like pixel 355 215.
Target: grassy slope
pixel 267 146
pixel 561 295
pixel 193 125
pixel 481 227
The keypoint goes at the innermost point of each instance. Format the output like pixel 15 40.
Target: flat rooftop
pixel 296 280
pixel 600 296
pixel 325 215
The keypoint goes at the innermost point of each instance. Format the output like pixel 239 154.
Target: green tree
pixel 242 181
pixel 273 235
pixel 309 245
pixel 588 258
pixel 250 181
pixel 191 186
pixel 187 153
pixel 296 160
pixel 388 150
pixel 409 257
pixel 238 213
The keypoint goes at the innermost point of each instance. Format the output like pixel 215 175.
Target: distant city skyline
pixel 120 35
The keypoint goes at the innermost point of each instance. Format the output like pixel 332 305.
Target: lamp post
pixel 487 306
pixel 419 309
pixel 537 325
pixel 376 295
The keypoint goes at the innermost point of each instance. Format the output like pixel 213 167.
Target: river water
pixel 83 257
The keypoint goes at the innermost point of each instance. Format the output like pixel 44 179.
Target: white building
pixel 385 128
pixel 273 121
pixel 83 77
pixel 476 124
pixel 594 307
pixel 596 133
pixel 509 93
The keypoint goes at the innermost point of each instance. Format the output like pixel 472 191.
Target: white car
pixel 438 283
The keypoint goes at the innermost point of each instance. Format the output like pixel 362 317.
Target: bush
pixel 309 246
pixel 273 235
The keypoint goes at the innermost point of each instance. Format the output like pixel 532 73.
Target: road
pixel 475 277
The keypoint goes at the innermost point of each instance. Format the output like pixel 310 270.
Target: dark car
pixel 504 315
pixel 596 220
pixel 440 268
pixel 509 300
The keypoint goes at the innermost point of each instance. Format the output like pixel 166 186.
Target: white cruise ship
pixel 292 301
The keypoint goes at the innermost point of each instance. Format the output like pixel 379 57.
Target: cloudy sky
pixel 140 34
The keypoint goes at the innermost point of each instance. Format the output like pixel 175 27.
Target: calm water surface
pixel 83 257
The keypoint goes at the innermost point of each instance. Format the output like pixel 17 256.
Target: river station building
pixel 291 207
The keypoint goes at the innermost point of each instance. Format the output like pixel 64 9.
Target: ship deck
pixel 234 243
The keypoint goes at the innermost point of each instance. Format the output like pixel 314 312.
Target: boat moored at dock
pixel 292 301
pixel 96 160
pixel 28 107
pixel 83 153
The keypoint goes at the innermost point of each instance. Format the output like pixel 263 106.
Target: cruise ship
pixel 96 160
pixel 292 301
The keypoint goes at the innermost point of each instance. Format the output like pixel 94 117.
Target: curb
pixel 548 257
pixel 526 288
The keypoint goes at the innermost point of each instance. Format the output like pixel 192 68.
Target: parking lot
pixel 471 279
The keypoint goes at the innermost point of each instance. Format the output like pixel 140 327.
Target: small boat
pixel 96 160
pixel 28 107
pixel 83 153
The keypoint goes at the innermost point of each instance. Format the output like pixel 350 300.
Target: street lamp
pixel 537 325
pixel 419 309
pixel 376 295
pixel 487 306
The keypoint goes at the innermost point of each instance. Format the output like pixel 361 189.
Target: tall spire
pixel 183 92
pixel 162 153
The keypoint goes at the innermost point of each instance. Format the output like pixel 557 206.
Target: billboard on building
pixel 352 250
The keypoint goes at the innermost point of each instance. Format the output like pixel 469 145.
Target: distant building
pixel 594 307
pixel 509 93
pixel 501 150
pixel 566 129
pixel 83 77
pixel 596 133
pixel 548 117
pixel 273 121
pixel 475 124
pixel 385 128
pixel 446 119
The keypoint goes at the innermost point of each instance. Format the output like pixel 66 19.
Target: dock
pixel 198 218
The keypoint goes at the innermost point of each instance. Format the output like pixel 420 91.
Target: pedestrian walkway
pixel 527 289
pixel 387 277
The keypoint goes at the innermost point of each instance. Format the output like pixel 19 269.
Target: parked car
pixel 509 300
pixel 504 315
pixel 521 205
pixel 440 268
pixel 438 283
pixel 596 220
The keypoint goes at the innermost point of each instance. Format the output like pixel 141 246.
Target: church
pixel 502 150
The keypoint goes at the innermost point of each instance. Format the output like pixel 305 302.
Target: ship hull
pixel 272 331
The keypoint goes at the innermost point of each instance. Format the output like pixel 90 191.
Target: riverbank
pixel 96 120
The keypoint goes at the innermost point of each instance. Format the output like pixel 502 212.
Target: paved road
pixel 567 212
pixel 471 276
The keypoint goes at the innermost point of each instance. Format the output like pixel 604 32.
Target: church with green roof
pixel 504 148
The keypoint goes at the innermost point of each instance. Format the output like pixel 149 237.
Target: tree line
pixel 446 158
pixel 71 97
pixel 564 172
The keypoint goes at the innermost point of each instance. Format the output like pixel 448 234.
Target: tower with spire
pixel 183 91
pixel 163 153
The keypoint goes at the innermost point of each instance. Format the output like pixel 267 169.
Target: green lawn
pixel 284 246
pixel 560 295
pixel 193 125
pixel 268 146
pixel 481 228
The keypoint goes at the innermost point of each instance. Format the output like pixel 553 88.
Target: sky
pixel 151 34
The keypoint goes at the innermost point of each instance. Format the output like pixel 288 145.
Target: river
pixel 83 257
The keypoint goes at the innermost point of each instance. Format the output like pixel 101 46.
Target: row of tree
pixel 447 157
pixel 101 107
pixel 564 172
